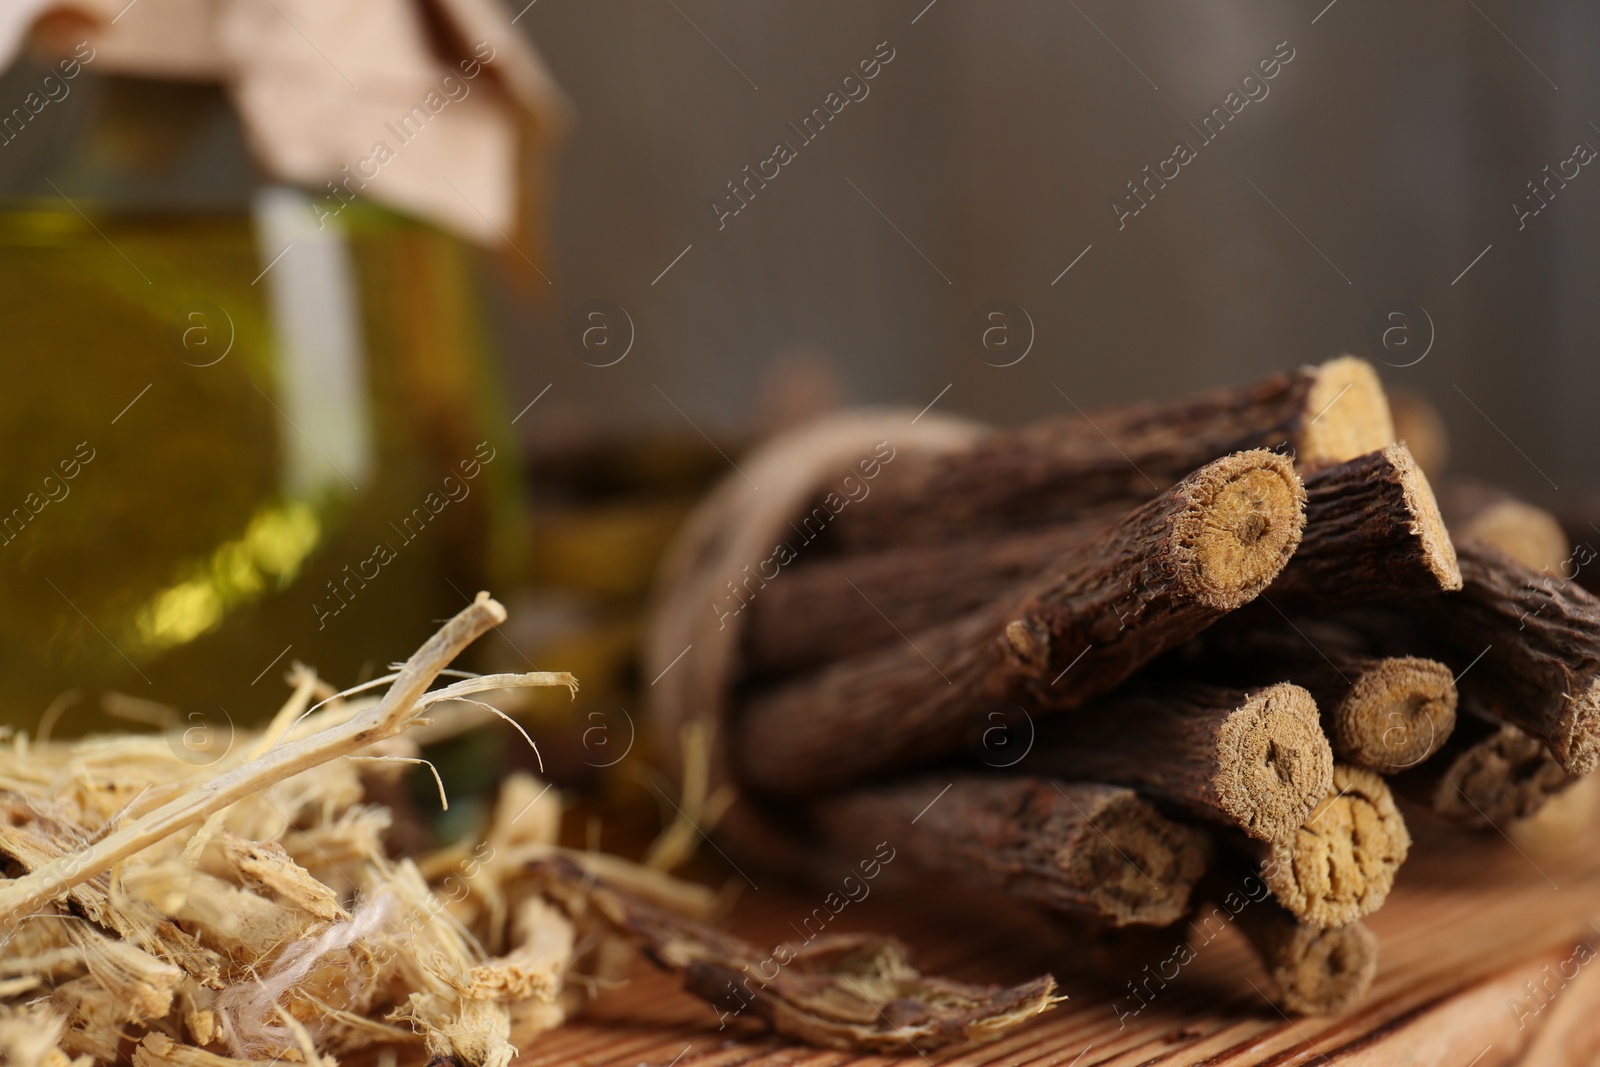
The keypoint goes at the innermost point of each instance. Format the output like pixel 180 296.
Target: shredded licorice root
pixel 247 911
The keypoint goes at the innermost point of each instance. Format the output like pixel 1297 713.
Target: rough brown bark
pixel 1488 775
pixel 833 608
pixel 1312 970
pixel 1091 849
pixel 1581 524
pixel 1253 760
pixel 1372 533
pixel 1532 643
pixel 1384 713
pixel 1531 536
pixel 1340 866
pixel 1166 571
pixel 1061 468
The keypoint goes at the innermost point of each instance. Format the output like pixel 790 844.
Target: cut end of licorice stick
pixel 1438 552
pixel 1397 713
pixel 1243 521
pixel 1274 764
pixel 1139 866
pixel 1314 971
pixel 1507 776
pixel 1579 747
pixel 1527 534
pixel 1347 412
pixel 1341 864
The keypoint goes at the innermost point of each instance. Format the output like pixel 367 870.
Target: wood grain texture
pixel 1097 850
pixel 1170 568
pixel 1061 468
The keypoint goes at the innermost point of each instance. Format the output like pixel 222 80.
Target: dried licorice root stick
pixel 833 608
pixel 1383 713
pixel 1166 571
pixel 1062 468
pixel 1489 774
pixel 1538 637
pixel 844 991
pixel 1372 533
pixel 1257 760
pixel 1340 866
pixel 1312 970
pixel 1531 536
pixel 1097 850
pixel 1394 712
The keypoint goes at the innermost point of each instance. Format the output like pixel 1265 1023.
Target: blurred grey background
pixel 1382 165
pixel 1385 158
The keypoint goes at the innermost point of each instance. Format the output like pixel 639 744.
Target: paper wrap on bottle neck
pixel 377 99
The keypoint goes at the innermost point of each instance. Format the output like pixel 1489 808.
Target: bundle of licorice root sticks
pixel 1157 664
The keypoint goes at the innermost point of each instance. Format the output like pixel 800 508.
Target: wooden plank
pixel 1486 946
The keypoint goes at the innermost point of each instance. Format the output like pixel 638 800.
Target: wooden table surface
pixel 1473 920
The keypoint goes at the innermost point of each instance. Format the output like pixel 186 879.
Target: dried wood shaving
pixel 246 910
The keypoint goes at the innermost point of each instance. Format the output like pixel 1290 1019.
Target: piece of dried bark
pixel 846 991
